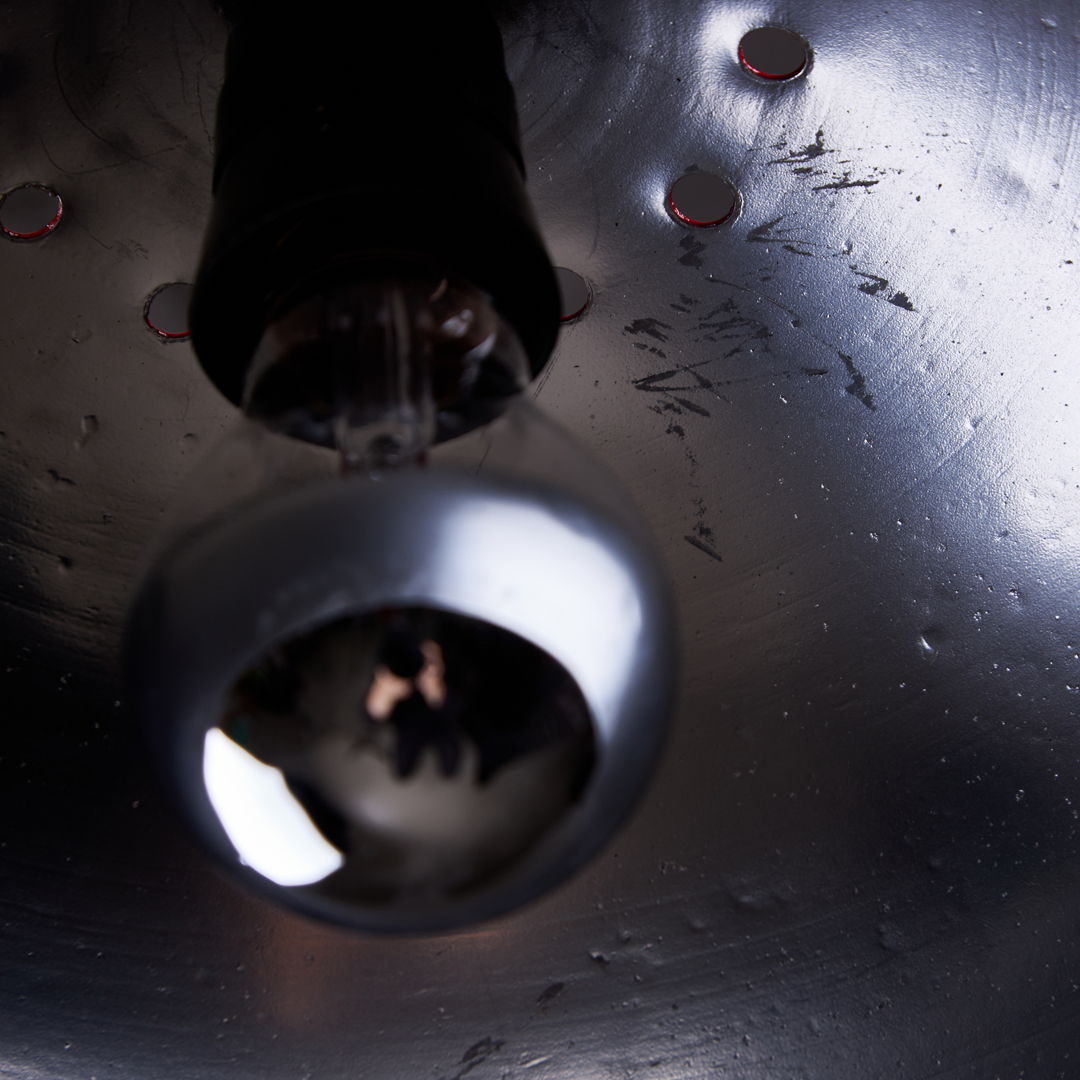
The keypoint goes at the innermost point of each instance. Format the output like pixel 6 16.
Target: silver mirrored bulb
pixel 402 691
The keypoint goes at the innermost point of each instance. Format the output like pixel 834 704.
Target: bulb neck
pixel 385 368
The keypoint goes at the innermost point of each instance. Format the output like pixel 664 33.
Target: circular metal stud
pixel 166 311
pixel 574 294
pixel 771 52
pixel 702 200
pixel 30 212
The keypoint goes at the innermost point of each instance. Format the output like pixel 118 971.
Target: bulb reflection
pixel 407 753
pixel 261 817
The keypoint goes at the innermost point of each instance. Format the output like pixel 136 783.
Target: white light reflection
pixel 525 570
pixel 268 827
pixel 719 33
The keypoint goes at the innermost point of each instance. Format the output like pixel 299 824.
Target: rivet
pixel 574 294
pixel 30 212
pixel 166 311
pixel 702 199
pixel 771 52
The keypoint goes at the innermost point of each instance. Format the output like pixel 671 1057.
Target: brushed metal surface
pixel 849 414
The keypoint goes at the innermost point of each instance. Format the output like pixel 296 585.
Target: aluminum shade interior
pixel 849 415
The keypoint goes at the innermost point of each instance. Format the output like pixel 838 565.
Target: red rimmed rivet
pixel 166 310
pixel 574 294
pixel 702 200
pixel 30 211
pixel 771 52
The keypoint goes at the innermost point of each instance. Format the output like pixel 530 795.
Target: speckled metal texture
pixel 847 413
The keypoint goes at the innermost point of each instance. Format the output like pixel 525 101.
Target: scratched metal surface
pixel 849 415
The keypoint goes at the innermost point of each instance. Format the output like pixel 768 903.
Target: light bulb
pixel 404 649
pixel 393 688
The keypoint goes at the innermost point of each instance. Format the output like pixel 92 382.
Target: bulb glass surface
pixel 401 690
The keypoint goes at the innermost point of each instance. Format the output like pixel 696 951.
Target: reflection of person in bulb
pixel 427 748
pixel 410 692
